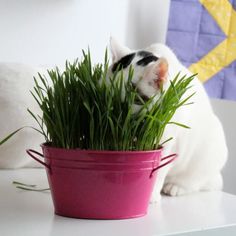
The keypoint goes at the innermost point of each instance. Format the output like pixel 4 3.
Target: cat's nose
pixel 159 82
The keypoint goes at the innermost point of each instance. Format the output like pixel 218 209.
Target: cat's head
pixel 150 71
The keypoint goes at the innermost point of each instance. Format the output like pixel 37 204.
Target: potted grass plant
pixel 101 156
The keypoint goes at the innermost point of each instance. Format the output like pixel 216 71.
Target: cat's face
pixel 150 71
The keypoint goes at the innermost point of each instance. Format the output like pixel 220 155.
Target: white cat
pixel 202 150
pixel 16 81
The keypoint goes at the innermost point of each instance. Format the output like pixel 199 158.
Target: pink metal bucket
pixel 101 184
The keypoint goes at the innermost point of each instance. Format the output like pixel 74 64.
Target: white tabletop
pixel 31 213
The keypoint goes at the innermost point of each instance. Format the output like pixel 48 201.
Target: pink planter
pixel 101 184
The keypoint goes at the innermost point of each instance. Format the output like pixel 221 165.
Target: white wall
pixel 47 32
pixel 226 111
pixel 147 22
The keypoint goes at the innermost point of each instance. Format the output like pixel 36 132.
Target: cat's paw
pixel 174 190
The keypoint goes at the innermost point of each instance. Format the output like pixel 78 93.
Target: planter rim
pixel 46 145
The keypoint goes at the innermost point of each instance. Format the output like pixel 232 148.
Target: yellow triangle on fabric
pixel 225 52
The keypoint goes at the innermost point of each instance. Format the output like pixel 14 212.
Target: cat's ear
pixel 118 51
pixel 160 72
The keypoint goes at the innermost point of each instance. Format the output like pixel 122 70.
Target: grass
pixel 85 108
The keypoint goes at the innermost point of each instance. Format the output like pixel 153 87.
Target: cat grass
pixel 85 107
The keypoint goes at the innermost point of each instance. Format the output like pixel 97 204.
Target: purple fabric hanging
pixel 193 33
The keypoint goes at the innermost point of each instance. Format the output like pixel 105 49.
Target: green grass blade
pixel 10 135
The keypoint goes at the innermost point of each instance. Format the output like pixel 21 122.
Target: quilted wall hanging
pixel 202 33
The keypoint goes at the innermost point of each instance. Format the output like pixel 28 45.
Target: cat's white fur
pixel 202 150
pixel 16 81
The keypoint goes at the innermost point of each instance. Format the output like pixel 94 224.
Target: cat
pixel 202 150
pixel 16 81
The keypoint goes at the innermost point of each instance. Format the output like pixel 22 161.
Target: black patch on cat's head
pixel 144 54
pixel 146 60
pixel 123 62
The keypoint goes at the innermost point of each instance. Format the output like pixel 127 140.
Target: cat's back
pixel 16 80
pixel 162 50
pixel 19 73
